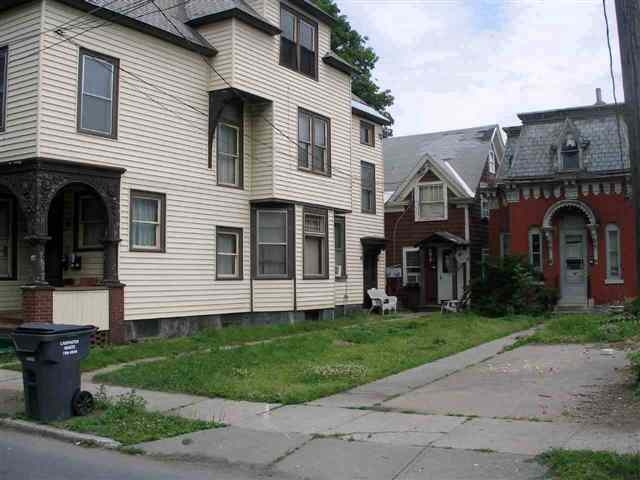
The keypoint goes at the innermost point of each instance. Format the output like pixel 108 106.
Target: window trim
pixel 373 191
pixel 372 127
pixel 13 240
pixel 77 220
pixel 4 72
pixel 239 160
pixel 238 233
pixel 405 279
pixel 610 279
pixel 492 162
pixel 310 169
pixel 485 210
pixel 115 93
pixel 255 254
pixel 325 245
pixel 342 220
pixel 532 232
pixel 445 199
pixel 161 198
pixel 299 16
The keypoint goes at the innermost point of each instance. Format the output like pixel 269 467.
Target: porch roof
pixel 440 238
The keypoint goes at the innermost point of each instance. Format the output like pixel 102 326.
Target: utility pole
pixel 628 16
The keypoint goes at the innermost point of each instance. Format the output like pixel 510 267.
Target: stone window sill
pixel 614 281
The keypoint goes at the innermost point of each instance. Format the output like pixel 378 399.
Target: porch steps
pixel 568 309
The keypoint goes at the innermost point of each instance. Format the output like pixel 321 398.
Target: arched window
pixel 535 248
pixel 614 267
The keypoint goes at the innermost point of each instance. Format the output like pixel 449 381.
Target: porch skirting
pixel 182 326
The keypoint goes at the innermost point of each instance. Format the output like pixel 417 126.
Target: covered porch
pixel 444 268
pixel 59 237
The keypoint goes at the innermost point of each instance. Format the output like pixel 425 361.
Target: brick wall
pixel 37 304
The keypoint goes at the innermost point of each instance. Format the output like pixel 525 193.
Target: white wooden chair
pixel 380 299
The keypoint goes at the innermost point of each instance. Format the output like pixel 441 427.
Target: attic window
pixel 431 201
pixel 298 42
pixel 570 153
pixel 491 161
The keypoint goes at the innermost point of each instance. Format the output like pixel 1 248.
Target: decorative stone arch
pixel 592 223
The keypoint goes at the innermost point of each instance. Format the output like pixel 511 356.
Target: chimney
pixel 599 97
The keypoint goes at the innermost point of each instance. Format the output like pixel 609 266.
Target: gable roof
pixel 529 150
pixel 458 155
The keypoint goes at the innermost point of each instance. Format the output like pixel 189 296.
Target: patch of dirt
pixel 342 343
pixel 614 405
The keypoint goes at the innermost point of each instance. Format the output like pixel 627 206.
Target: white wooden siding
pixel 19 31
pixel 273 295
pixel 81 307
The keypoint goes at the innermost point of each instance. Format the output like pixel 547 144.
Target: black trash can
pixel 50 356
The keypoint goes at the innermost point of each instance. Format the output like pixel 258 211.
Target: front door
pixel 573 284
pixel 54 247
pixel 370 267
pixel 445 274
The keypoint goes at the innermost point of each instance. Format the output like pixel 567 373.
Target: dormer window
pixel 570 154
pixel 298 42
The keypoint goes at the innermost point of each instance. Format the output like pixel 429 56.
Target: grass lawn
pixel 307 367
pixel 588 465
pixel 127 421
pixel 584 328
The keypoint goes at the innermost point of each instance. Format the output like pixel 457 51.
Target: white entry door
pixel 573 283
pixel 445 274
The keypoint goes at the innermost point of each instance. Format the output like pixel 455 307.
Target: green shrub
pixel 511 286
pixel 635 364
pixel 633 308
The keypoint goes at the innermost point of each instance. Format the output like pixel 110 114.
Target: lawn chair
pixel 380 299
pixel 455 306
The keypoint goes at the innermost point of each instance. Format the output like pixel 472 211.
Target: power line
pixel 613 81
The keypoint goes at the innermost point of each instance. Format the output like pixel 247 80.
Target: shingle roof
pixel 529 150
pixel 362 108
pixel 465 151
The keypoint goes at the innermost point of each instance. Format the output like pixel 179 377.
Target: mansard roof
pixel 531 148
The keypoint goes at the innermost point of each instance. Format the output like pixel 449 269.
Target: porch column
pixel 110 262
pixel 423 277
pixel 37 258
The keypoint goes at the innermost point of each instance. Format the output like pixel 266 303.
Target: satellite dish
pixel 462 256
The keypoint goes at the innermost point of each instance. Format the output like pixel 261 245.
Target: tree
pixel 352 47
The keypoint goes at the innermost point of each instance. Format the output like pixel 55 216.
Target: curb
pixel 58 433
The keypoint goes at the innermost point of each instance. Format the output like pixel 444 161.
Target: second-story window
pixel 97 94
pixel 4 60
pixel 313 142
pixel 298 49
pixel 367 134
pixel 368 187
pixel 229 146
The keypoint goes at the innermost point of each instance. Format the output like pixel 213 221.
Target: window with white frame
pixel 91 224
pixel 228 153
pixel 535 248
pixel 491 162
pixel 147 224
pixel 273 243
pixel 411 269
pixel 4 60
pixel 340 246
pixel 614 268
pixel 7 239
pixel 431 201
pixel 98 94
pixel 228 253
pixel 316 260
pixel 505 244
pixel 313 142
pixel 484 207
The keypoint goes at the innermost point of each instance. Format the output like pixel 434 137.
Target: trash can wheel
pixel 82 403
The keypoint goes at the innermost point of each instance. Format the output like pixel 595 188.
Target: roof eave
pixel 122 19
pixel 238 13
pixel 371 118
pixel 333 60
pixel 315 11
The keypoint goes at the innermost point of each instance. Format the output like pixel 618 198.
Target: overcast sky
pixel 463 63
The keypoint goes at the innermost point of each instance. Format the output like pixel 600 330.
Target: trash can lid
pixel 51 329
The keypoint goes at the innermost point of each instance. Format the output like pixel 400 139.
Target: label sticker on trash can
pixel 69 347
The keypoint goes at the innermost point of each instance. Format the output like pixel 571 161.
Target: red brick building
pixel 436 225
pixel 562 199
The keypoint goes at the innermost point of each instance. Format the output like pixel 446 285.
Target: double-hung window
pixel 535 248
pixel 316 259
pixel 368 187
pixel 367 133
pixel 298 42
pixel 313 142
pixel 91 224
pixel 229 146
pixel 273 243
pixel 614 267
pixel 98 94
pixel 431 201
pixel 4 62
pixel 340 246
pixel 411 271
pixel 147 221
pixel 491 163
pixel 484 207
pixel 228 253
pixel 7 239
